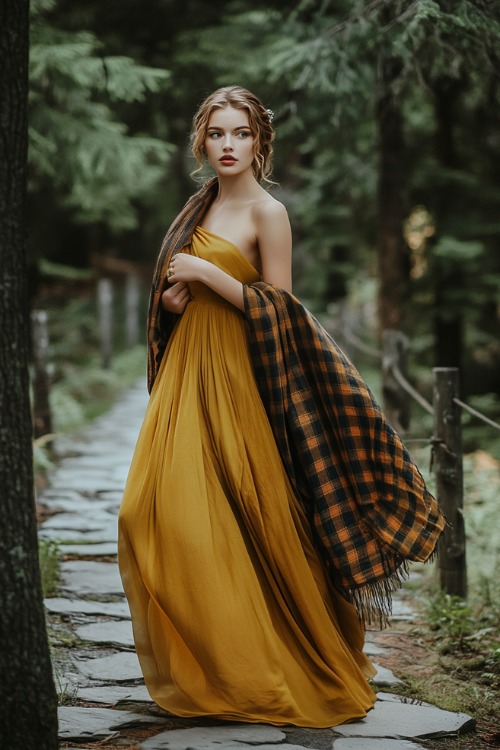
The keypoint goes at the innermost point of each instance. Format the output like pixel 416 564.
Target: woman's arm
pixel 274 238
pixel 188 268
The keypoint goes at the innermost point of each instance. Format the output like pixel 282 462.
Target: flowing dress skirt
pixel 232 614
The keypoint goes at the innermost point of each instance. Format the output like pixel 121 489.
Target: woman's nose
pixel 228 144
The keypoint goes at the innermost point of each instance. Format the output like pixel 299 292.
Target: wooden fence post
pixel 396 401
pixel 105 311
pixel 449 480
pixel 42 417
pixel 132 297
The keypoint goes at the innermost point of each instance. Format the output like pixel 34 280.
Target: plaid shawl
pixel 367 501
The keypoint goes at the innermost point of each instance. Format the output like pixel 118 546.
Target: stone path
pixel 98 672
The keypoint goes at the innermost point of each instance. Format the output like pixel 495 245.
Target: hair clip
pixel 270 114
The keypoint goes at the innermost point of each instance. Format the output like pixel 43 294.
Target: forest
pixel 387 153
pixel 387 157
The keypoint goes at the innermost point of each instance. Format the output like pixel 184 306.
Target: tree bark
pixel 336 282
pixel 448 318
pixel 28 701
pixel 391 249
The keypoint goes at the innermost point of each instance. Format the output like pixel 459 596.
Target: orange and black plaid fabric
pixel 366 499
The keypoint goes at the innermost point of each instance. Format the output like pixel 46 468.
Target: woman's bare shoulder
pixel 267 207
pixel 271 221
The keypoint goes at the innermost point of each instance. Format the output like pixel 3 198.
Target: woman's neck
pixel 241 187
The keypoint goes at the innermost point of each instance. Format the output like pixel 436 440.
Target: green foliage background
pixel 114 86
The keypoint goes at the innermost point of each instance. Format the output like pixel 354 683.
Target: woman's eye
pixel 244 135
pixel 214 135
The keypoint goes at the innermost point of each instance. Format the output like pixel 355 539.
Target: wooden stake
pixel 396 401
pixel 132 297
pixel 448 463
pixel 42 417
pixel 105 307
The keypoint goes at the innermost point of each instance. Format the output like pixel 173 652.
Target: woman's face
pixel 229 141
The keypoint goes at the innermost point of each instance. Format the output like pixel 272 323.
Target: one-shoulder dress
pixel 232 614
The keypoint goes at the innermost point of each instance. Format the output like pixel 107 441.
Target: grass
pixel 458 664
pixel 87 391
pixel 66 693
pixel 49 555
pixel 84 393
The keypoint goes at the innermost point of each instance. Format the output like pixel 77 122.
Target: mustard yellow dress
pixel 231 611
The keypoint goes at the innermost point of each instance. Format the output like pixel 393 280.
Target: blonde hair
pixel 259 120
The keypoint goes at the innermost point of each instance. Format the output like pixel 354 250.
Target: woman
pixel 233 521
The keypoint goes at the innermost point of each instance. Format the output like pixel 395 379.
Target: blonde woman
pixel 256 514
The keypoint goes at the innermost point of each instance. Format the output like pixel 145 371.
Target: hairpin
pixel 270 114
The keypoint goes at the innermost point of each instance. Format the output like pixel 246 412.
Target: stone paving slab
pixel 114 694
pixel 78 723
pixel 121 667
pixel 113 497
pixel 87 484
pixel 67 469
pixel 236 746
pixel 395 698
pixel 371 649
pixel 52 496
pixel 85 523
pixel 406 721
pixel 105 534
pixel 92 549
pixel 208 738
pixel 92 446
pixel 85 577
pixel 385 676
pixel 61 606
pixel 76 504
pixel 366 743
pixel 401 610
pixel 102 462
pixel 115 632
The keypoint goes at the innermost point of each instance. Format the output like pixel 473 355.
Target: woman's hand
pixel 184 267
pixel 176 297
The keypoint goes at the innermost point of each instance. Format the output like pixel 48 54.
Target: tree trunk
pixel 448 317
pixel 448 321
pixel 336 282
pixel 28 701
pixel 391 249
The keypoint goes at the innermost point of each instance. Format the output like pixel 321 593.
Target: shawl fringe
pixel 373 601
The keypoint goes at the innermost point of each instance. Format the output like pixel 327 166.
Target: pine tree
pixel 78 144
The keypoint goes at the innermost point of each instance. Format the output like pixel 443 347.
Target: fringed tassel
pixel 373 601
